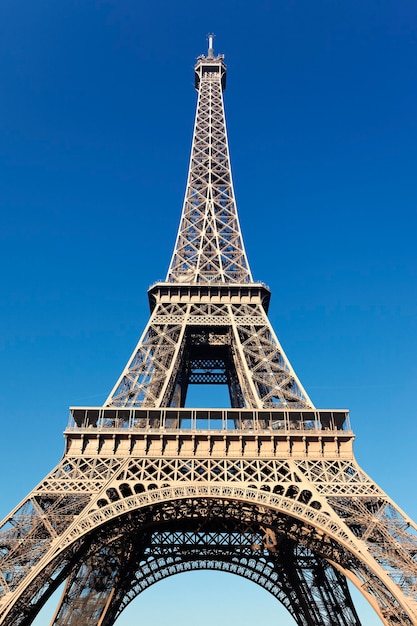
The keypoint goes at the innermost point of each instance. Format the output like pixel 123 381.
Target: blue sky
pixel 96 117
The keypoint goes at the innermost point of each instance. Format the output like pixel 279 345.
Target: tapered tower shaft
pixel 209 246
pixel 209 321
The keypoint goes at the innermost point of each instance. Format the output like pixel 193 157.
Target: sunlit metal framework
pixel 267 489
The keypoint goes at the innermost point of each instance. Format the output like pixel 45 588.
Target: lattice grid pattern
pixel 266 377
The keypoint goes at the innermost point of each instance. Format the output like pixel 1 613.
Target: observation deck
pixel 220 433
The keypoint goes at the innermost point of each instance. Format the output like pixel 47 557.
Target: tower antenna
pixel 210 37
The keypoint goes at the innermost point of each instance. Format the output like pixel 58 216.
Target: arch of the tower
pixel 294 576
pixel 289 547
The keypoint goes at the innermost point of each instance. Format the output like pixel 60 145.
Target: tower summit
pixel 267 488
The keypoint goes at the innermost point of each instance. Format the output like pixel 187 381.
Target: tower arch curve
pixel 249 532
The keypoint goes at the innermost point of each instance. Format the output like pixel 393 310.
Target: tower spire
pixel 209 246
pixel 210 46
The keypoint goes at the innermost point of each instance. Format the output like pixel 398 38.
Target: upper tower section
pixel 209 246
pixel 209 66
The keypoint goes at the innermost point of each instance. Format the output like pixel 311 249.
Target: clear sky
pixel 96 117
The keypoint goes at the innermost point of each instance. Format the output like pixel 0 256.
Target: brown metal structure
pixel 267 488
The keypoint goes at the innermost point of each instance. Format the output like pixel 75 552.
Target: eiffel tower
pixel 267 489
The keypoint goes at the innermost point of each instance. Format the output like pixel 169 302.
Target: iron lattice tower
pixel 268 489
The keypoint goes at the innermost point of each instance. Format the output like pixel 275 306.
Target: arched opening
pixel 237 537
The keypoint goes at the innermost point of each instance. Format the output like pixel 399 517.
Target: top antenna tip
pixel 210 38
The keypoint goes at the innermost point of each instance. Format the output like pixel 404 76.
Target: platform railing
pixel 195 419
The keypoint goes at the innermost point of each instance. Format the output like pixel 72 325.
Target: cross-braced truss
pixel 268 489
pixel 233 335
